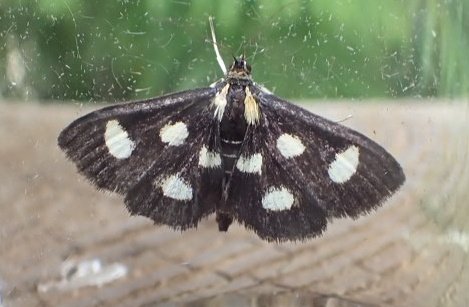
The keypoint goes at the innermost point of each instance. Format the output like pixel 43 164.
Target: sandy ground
pixel 62 243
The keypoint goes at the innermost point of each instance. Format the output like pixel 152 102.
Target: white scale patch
pixel 252 164
pixel 176 188
pixel 174 134
pixel 290 146
pixel 344 165
pixel 251 108
pixel 117 140
pixel 277 199
pixel 220 102
pixel 226 141
pixel 209 158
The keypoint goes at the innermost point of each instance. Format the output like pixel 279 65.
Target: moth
pixel 236 150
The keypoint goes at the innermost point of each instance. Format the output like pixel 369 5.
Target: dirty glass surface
pixel 397 71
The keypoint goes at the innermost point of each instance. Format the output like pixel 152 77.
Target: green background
pixel 88 50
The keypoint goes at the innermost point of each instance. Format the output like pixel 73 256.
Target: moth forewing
pixel 114 146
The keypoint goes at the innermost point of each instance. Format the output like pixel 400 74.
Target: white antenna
pixel 215 46
pixel 345 118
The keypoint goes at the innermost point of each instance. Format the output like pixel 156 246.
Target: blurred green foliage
pixel 90 50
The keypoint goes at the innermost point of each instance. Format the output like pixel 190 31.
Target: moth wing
pixel 267 198
pixel 184 184
pixel 312 169
pixel 138 146
pixel 131 129
pixel 349 173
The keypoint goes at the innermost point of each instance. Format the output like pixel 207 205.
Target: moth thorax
pixel 251 108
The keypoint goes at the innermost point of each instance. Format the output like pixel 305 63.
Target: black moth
pixel 234 149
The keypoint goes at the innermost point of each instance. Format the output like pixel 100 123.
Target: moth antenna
pixel 215 46
pixel 345 118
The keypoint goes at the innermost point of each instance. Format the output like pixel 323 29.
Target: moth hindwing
pixel 236 150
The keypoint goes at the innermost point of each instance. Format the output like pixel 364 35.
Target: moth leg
pixel 224 211
pixel 224 220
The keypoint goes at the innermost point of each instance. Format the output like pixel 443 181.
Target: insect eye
pixel 245 65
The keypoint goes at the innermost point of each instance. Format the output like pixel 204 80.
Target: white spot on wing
pixel 209 158
pixel 176 188
pixel 252 164
pixel 277 199
pixel 344 165
pixel 290 146
pixel 117 140
pixel 174 134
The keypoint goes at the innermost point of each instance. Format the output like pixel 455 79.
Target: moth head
pixel 240 68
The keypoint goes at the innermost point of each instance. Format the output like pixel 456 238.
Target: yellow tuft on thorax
pixel 251 108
